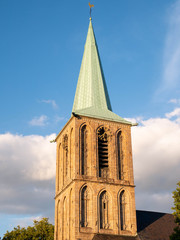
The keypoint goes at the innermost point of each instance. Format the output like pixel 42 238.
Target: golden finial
pixel 90 5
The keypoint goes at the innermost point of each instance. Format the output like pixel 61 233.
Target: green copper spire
pixel 92 98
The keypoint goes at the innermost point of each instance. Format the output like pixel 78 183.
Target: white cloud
pixel 27 174
pixel 175 113
pixel 171 69
pixel 39 121
pixel 156 162
pixel 52 102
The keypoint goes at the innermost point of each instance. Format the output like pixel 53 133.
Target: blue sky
pixel 41 48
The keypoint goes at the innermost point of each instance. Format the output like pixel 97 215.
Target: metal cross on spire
pixel 90 5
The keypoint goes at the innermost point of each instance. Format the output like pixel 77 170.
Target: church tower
pixel 94 169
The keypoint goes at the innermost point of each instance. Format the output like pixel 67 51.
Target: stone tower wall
pixel 72 183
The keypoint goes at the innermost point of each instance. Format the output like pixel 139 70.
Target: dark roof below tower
pixel 150 226
pixel 154 225
pixel 113 237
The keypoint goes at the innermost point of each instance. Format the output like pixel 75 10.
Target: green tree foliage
pixel 41 230
pixel 176 195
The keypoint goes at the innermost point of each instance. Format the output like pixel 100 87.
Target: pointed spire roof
pixel 92 98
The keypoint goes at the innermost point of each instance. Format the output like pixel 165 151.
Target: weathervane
pixel 90 8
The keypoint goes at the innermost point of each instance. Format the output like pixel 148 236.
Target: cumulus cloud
pixel 39 121
pixel 174 113
pixel 27 174
pixel 156 162
pixel 171 69
pixel 52 102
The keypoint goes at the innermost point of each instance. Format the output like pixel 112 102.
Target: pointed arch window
pixel 64 219
pixel 58 169
pixel 65 156
pixel 119 155
pixel 84 150
pixel 123 210
pixel 84 206
pixel 104 210
pixel 58 220
pixel 103 153
pixel 70 215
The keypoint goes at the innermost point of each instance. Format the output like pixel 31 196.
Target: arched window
pixel 58 169
pixel 71 162
pixel 70 215
pixel 104 210
pixel 57 219
pixel 103 153
pixel 83 150
pixel 119 155
pixel 123 210
pixel 64 219
pixel 65 156
pixel 84 207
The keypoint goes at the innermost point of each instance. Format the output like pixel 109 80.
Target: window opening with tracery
pixel 104 210
pixel 65 155
pixel 103 153
pixel 84 207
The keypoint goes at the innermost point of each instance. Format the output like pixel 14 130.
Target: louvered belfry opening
pixel 103 153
